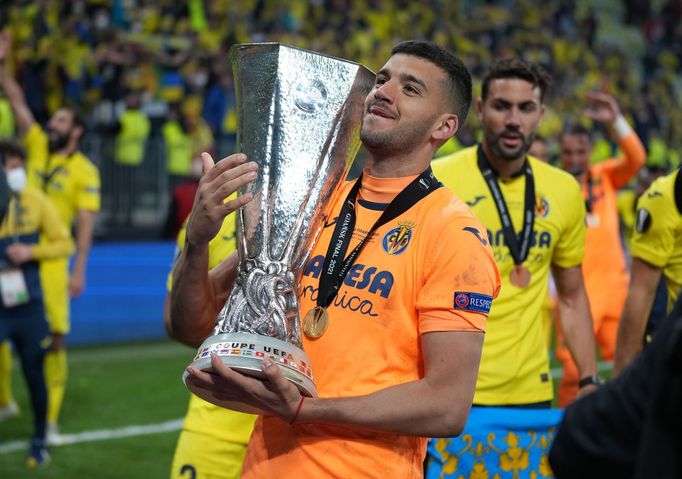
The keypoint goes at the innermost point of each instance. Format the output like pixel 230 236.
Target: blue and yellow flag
pixel 497 443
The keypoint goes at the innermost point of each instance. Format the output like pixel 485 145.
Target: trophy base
pixel 245 352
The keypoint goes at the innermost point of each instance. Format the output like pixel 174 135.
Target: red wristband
pixel 298 410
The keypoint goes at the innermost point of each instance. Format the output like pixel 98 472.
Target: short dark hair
pixel 11 148
pixel 515 68
pixel 575 129
pixel 459 88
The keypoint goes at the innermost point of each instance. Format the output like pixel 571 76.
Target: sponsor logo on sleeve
pixel 474 302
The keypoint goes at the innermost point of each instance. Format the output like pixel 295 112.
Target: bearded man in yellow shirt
pixel 72 185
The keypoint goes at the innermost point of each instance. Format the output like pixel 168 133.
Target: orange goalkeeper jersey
pixel 412 277
pixel 604 268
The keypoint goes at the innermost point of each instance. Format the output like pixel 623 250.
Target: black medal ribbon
pixel 519 245
pixel 336 263
pixel 589 202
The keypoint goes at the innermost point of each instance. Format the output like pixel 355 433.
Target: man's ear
pixel 446 127
pixel 78 132
pixel 479 107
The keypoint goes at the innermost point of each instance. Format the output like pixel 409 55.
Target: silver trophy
pixel 299 118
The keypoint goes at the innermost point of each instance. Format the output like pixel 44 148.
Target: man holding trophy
pixel 394 291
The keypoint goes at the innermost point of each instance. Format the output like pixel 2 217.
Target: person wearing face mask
pixel 72 184
pixel 30 233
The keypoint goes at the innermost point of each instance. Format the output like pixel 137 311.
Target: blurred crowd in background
pixel 156 76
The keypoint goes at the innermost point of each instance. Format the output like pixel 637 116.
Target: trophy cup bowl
pixel 299 118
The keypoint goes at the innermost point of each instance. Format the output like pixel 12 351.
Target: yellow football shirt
pixel 657 237
pixel 515 364
pixel 36 224
pixel 71 183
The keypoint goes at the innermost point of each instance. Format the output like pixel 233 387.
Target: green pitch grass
pixel 110 387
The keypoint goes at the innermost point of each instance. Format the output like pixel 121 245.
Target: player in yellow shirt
pixel 213 440
pixel 656 248
pixel 627 199
pixel 535 217
pixel 72 185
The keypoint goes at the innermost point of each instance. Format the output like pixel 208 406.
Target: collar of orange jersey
pixel 382 190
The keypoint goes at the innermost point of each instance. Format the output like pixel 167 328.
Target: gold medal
pixel 520 276
pixel 315 322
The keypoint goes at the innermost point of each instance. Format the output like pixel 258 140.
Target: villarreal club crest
pixel 396 240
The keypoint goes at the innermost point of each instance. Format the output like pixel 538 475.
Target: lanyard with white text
pixel 519 246
pixel 335 266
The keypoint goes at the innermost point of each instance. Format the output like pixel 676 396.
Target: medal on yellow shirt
pixel 336 264
pixel 519 276
pixel 315 322
pixel 518 244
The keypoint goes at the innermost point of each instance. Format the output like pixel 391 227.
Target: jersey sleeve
pixel 35 142
pixel 460 279
pixel 653 239
pixel 622 170
pixel 59 242
pixel 88 194
pixel 570 247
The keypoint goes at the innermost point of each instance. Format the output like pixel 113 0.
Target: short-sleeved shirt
pixel 515 365
pixel 657 238
pixel 428 270
pixel 71 183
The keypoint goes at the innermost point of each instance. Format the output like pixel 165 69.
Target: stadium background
pixel 172 55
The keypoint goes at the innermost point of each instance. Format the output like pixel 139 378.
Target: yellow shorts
pixel 198 456
pixel 54 277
